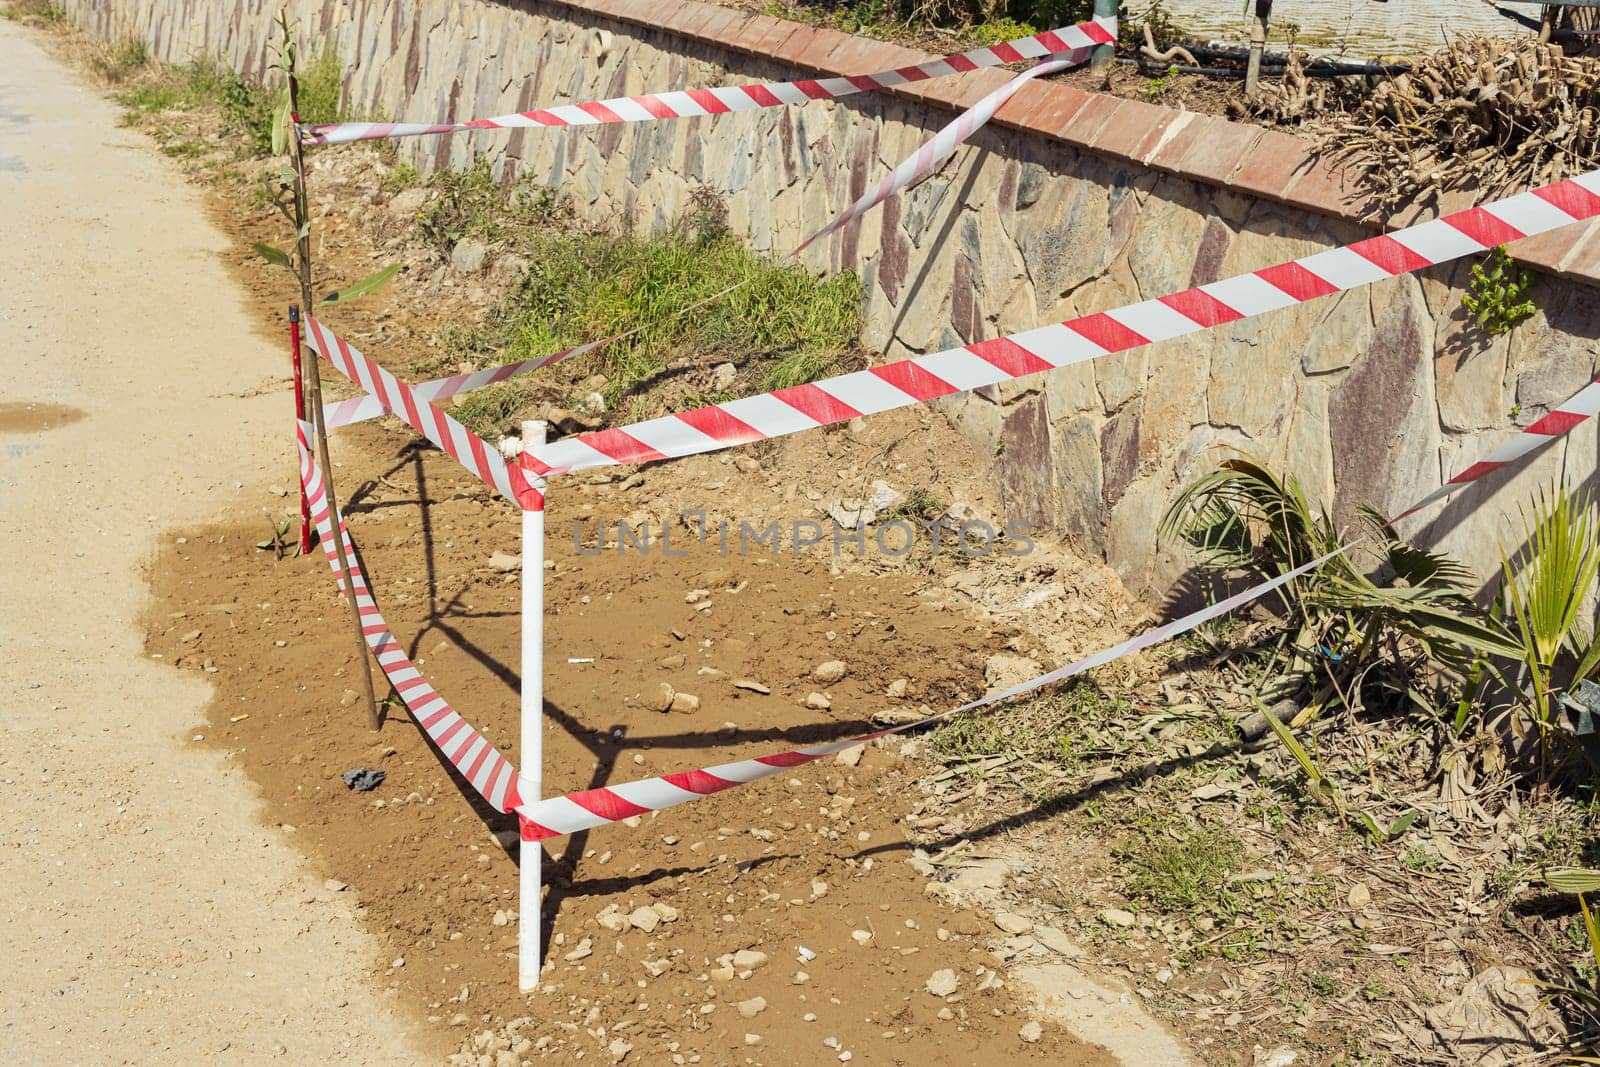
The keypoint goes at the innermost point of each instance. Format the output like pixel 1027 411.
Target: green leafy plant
pixel 280 543
pixel 1497 295
pixel 1543 589
pixel 1156 88
pixel 1245 522
pixel 280 189
pixel 1318 784
pixel 1378 833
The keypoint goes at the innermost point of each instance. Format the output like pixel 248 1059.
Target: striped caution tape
pixel 1582 405
pixel 924 161
pixel 689 103
pixel 925 378
pixel 458 442
pixel 479 762
pixel 493 777
pixel 558 816
pixel 361 408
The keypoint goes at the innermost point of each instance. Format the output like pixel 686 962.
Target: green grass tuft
pixel 43 11
pixel 582 285
pixel 1182 868
pixel 322 89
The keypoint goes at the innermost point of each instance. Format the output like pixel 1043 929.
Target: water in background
pixel 1362 26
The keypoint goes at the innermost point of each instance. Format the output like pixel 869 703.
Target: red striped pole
pixel 299 414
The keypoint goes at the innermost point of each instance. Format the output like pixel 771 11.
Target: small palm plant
pixel 1543 591
pixel 1246 522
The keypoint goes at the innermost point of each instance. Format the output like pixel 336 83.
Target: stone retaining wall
pixel 1073 203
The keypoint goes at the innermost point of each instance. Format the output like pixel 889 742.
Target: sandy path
pixel 145 917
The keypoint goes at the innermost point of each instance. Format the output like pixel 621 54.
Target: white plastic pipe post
pixel 531 749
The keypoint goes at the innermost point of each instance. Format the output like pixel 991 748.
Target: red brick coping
pixel 1245 158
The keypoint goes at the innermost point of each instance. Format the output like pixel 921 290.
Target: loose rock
pixel 942 982
pixel 831 671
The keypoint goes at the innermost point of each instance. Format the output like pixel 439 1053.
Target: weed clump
pixel 689 296
pixel 44 11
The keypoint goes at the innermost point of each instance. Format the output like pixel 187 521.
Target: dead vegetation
pixel 1490 115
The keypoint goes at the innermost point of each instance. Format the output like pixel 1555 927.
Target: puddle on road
pixel 20 416
pixel 13 165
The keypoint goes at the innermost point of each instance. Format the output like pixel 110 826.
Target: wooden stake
pixel 302 216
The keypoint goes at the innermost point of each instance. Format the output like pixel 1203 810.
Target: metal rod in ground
pixel 302 222
pixel 1101 57
pixel 531 749
pixel 299 413
pixel 1258 44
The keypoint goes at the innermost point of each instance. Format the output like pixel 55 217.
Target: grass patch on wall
pixel 779 324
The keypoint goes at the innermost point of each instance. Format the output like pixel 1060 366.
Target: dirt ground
pixel 796 861
pixel 148 917
pixel 815 871
pixel 1057 867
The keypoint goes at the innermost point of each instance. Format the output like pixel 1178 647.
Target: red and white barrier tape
pixel 404 399
pixel 689 103
pixel 557 816
pixel 574 812
pixel 925 378
pixel 912 169
pixel 361 408
pixel 1578 407
pixel 922 162
pixel 479 762
pixel 489 772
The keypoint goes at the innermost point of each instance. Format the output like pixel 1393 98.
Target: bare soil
pixel 742 870
pixel 1310 940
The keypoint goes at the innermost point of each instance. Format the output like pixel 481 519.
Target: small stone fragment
pixel 851 757
pixel 1031 1031
pixel 942 982
pixel 1118 917
pixel 861 937
pixel 1012 923
pixel 684 703
pixel 644 918
pixel 1057 941
pixel 1360 896
pixel 830 672
pixel 748 959
pixel 818 701
pixel 752 685
pixel 584 950
pixel 752 1007
pixel 663 697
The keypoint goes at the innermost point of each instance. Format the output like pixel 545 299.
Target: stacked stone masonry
pixel 1072 203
